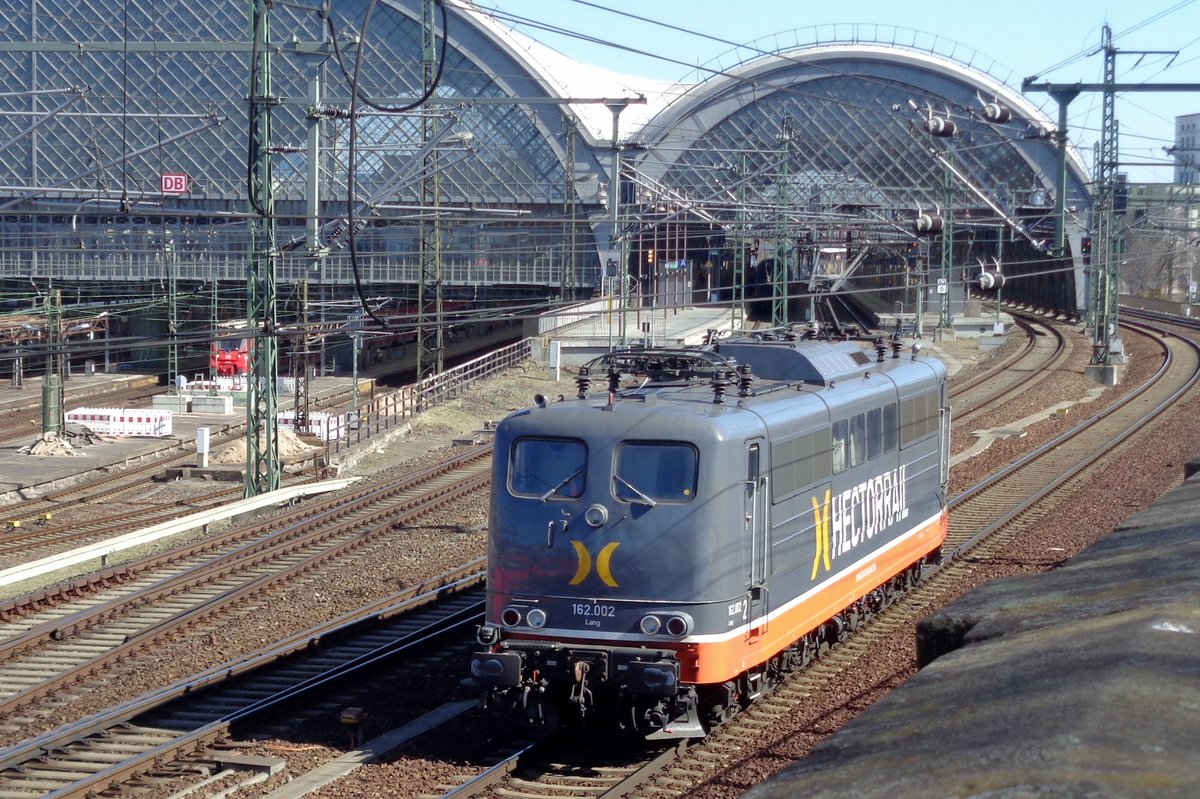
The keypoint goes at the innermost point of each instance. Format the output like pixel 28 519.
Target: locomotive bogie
pixel 661 554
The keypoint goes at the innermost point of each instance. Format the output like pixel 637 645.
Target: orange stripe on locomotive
pixel 708 661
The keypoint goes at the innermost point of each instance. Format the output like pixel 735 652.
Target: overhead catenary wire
pixel 355 98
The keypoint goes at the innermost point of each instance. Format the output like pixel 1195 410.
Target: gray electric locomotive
pixel 661 550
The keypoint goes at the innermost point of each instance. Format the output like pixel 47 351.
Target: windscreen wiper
pixel 566 480
pixel 645 499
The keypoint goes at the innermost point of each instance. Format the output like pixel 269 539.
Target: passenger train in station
pixel 663 549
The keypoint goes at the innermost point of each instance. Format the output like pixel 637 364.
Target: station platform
pixel 1078 682
pixel 76 390
pixel 22 475
pixel 603 331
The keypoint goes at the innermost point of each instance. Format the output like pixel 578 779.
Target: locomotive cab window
pixel 647 473
pixel 548 468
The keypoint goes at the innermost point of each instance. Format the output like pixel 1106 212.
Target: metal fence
pixel 384 412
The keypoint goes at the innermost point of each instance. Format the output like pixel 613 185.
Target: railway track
pixel 532 773
pixel 557 768
pixel 180 721
pixel 980 529
pixel 38 538
pixel 990 505
pixel 67 645
pixel 1045 349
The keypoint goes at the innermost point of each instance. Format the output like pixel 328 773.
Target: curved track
pixel 1045 349
pixel 591 777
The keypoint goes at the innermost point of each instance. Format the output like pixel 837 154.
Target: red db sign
pixel 174 183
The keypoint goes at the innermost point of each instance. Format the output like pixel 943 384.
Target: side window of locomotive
pixel 891 426
pixel 918 417
pixel 840 445
pixel 858 439
pixel 547 468
pixel 874 433
pixel 650 472
pixel 799 463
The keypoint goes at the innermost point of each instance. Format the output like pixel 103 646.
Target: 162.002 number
pixel 602 611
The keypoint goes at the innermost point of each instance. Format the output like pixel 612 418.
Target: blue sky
pixel 1027 37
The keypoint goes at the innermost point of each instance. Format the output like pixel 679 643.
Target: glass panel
pixel 547 467
pixel 660 472
pixel 874 433
pixel 858 440
pixel 891 425
pixel 838 446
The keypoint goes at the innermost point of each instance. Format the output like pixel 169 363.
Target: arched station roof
pixel 161 87
pixel 851 117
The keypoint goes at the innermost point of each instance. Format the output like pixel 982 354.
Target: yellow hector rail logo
pixel 603 563
pixel 821 517
pixel 851 517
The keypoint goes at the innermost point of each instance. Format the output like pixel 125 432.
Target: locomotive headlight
pixel 510 616
pixel 678 626
pixel 536 618
pixel 651 624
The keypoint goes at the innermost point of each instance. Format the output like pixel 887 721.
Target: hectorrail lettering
pixel 846 520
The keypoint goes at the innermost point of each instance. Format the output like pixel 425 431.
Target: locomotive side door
pixel 756 520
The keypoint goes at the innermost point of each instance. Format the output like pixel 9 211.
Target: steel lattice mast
pixel 262 445
pixel 1105 275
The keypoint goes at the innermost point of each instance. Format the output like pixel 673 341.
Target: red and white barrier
pixel 132 422
pixel 322 425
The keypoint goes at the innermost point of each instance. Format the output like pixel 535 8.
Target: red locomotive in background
pixel 229 357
